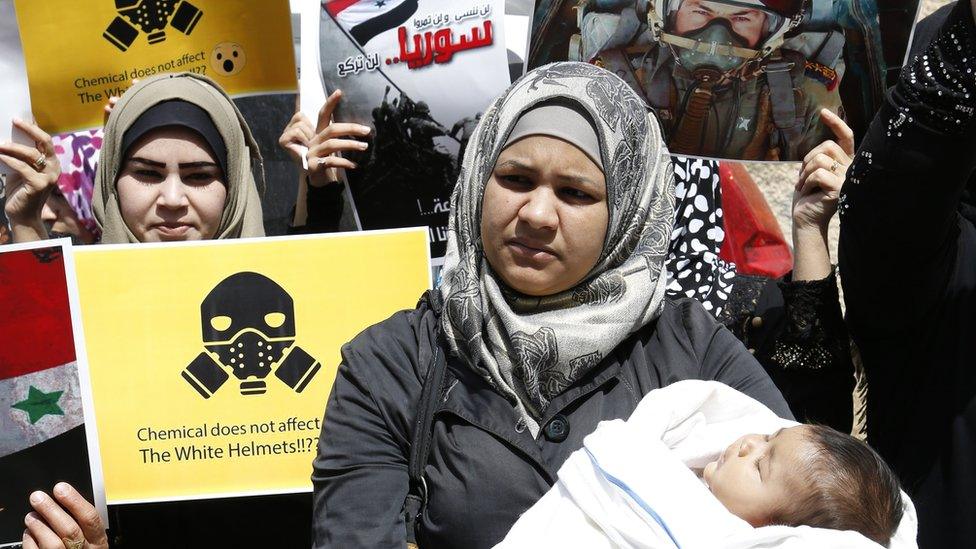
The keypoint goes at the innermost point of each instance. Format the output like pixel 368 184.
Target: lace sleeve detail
pixel 814 336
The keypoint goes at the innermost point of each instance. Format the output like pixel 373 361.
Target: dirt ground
pixel 776 180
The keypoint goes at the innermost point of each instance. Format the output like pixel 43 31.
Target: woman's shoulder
pixel 679 340
pixel 391 348
pixel 685 318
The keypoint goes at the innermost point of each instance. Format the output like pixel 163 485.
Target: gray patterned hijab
pixel 529 348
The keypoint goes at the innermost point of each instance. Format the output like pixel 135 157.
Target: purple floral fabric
pixel 78 154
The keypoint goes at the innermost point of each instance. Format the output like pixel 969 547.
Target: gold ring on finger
pixel 834 166
pixel 73 543
pixel 40 164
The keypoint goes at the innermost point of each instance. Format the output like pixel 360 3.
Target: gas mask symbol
pixel 151 16
pixel 710 63
pixel 248 327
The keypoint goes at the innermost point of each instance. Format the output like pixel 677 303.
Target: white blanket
pixel 631 484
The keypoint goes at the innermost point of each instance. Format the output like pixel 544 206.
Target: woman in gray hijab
pixel 551 316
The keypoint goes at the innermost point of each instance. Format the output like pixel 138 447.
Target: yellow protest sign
pixel 78 54
pixel 211 363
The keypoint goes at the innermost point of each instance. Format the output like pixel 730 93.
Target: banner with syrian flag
pixel 42 431
pixel 366 19
pixel 420 73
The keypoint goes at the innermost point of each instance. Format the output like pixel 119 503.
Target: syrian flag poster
pixel 420 73
pixel 42 422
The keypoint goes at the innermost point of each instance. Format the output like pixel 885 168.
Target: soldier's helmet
pixel 717 38
pixel 422 108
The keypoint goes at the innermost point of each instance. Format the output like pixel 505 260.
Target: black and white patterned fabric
pixel 531 348
pixel 693 265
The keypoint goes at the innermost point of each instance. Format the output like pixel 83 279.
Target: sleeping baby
pixel 680 473
pixel 808 475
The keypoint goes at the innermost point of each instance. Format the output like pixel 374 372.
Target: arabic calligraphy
pixel 357 64
pixel 442 19
pixel 439 47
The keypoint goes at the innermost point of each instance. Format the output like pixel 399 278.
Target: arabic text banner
pixel 211 363
pixel 78 54
pixel 420 74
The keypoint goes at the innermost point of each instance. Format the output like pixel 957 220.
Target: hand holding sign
pixel 330 139
pixel 66 520
pixel 35 174
pixel 822 176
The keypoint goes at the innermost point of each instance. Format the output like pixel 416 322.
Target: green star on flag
pixel 39 404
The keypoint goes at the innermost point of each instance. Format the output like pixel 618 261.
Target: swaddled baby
pixel 808 475
pixel 681 472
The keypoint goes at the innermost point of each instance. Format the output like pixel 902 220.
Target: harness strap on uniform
pixel 619 64
pixel 781 93
pixel 831 49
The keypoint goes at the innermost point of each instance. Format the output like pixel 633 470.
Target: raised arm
pixel 34 175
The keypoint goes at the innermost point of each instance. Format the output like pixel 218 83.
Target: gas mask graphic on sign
pixel 151 17
pixel 248 328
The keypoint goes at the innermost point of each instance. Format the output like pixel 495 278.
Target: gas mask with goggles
pixel 714 51
pixel 248 328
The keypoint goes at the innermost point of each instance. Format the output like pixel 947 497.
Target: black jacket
pixel 484 470
pixel 908 265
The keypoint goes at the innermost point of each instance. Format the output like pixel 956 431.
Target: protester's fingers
pixel 293 135
pixel 107 109
pixel 820 161
pixel 42 534
pixel 17 165
pixel 843 132
pixel 41 137
pixel 831 149
pixel 822 180
pixel 25 153
pixel 340 129
pixel 325 113
pixel 825 180
pixel 295 118
pixel 835 151
pixel 57 518
pixel 820 148
pixel 82 510
pixel 305 126
pixel 333 146
pixel 28 541
pixel 315 164
pixel 344 129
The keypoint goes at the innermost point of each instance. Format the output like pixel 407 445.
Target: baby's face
pixel 759 474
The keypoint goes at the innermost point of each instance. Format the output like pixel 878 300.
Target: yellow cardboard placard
pixel 78 54
pixel 164 432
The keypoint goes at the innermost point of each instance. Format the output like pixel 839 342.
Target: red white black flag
pixel 42 436
pixel 366 19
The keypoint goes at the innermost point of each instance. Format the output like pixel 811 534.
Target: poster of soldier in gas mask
pixel 734 79
pixel 419 74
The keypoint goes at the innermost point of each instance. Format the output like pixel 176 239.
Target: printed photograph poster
pixel 420 74
pixel 211 363
pixel 42 419
pixel 78 54
pixel 734 79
